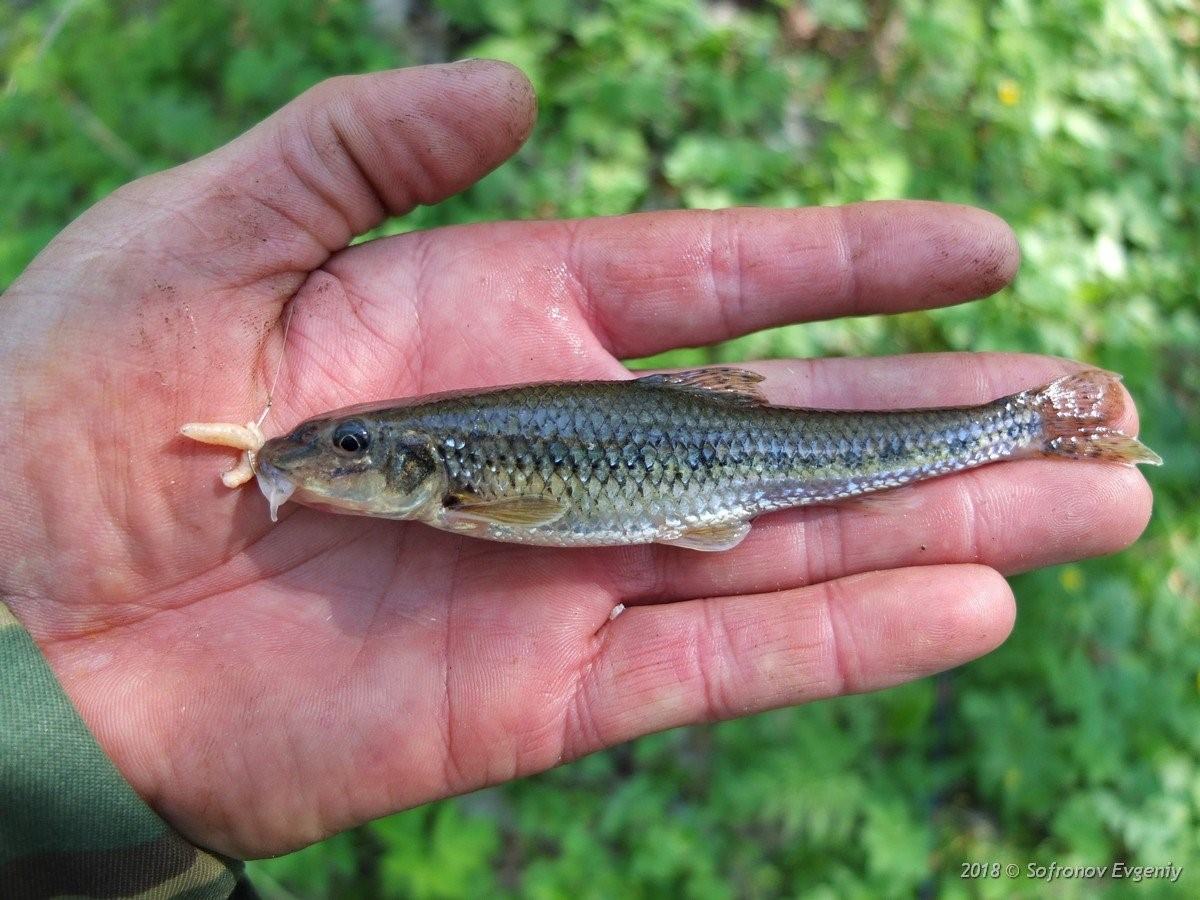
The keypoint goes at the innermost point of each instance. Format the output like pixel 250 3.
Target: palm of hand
pixel 263 686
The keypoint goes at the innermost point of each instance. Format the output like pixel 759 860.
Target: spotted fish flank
pixel 687 459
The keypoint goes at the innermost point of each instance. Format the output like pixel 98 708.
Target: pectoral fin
pixel 712 538
pixel 528 512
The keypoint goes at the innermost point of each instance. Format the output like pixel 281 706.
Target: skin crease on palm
pixel 264 686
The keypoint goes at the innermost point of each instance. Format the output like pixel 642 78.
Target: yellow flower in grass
pixel 1008 92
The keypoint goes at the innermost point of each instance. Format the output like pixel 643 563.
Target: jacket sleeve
pixel 69 823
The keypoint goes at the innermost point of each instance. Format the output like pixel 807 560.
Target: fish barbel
pixel 686 459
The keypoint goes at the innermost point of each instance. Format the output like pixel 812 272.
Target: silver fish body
pixel 686 459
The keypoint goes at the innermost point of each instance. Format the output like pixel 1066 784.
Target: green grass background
pixel 1079 740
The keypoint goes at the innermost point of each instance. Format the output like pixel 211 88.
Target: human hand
pixel 263 686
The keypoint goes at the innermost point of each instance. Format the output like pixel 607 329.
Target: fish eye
pixel 351 437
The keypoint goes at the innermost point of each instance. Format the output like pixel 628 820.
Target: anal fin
pixel 712 538
pixel 896 500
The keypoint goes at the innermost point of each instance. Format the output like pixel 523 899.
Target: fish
pixel 686 459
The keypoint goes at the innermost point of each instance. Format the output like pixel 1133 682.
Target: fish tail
pixel 1080 413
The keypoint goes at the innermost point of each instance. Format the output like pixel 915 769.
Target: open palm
pixel 263 686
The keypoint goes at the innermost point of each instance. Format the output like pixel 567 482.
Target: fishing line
pixel 287 324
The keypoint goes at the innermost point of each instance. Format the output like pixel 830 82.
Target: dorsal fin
pixel 724 382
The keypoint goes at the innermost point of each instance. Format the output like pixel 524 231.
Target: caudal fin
pixel 1080 413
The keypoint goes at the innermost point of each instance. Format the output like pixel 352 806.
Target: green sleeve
pixel 69 823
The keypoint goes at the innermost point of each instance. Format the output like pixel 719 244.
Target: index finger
pixel 653 281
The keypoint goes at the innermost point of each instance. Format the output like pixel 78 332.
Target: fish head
pixel 351 464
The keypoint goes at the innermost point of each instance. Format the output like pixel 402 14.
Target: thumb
pixel 273 204
pixel 357 148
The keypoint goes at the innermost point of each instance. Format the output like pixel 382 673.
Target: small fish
pixel 687 459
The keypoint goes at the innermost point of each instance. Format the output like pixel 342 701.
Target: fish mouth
pixel 275 486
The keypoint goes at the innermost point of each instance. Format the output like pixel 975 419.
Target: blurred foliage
pixel 1079 740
